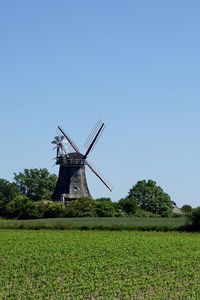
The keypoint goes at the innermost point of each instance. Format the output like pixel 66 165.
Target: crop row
pixel 103 223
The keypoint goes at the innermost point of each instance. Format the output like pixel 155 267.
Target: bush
pixel 8 191
pixel 145 214
pixel 49 209
pixel 105 209
pixel 21 207
pixel 128 205
pixel 55 210
pixel 194 219
pixel 82 207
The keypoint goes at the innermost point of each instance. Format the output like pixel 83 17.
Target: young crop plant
pixel 99 265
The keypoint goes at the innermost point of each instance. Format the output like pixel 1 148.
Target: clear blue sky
pixel 134 64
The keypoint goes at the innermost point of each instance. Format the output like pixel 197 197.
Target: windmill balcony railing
pixel 70 161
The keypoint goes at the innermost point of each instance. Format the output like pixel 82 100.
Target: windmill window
pixel 75 189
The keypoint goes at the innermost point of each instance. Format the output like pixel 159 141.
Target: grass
pixel 89 223
pixel 99 265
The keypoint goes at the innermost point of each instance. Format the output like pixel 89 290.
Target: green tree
pixel 194 219
pixel 128 205
pixel 104 207
pixel 7 192
pixel 187 209
pixel 103 199
pixel 82 207
pixel 151 197
pixel 49 209
pixel 37 184
pixel 21 207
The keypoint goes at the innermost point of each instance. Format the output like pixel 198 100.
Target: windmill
pixel 72 183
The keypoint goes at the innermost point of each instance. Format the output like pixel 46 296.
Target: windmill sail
pixel 92 134
pixel 95 139
pixel 100 176
pixel 76 149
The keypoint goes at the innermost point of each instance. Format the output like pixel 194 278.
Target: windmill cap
pixel 75 155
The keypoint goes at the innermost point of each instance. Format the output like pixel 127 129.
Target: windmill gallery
pixel 72 182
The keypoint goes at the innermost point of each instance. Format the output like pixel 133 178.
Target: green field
pixel 99 265
pixel 128 223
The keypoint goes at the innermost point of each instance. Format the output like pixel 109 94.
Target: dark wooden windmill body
pixel 72 182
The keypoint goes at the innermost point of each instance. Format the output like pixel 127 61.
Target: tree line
pixel 29 196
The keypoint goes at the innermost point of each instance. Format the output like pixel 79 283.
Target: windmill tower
pixel 72 183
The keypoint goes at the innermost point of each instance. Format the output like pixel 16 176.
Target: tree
pixel 187 209
pixel 7 192
pixel 49 209
pixel 103 199
pixel 194 219
pixel 104 207
pixel 37 184
pixel 151 197
pixel 82 207
pixel 128 205
pixel 21 207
